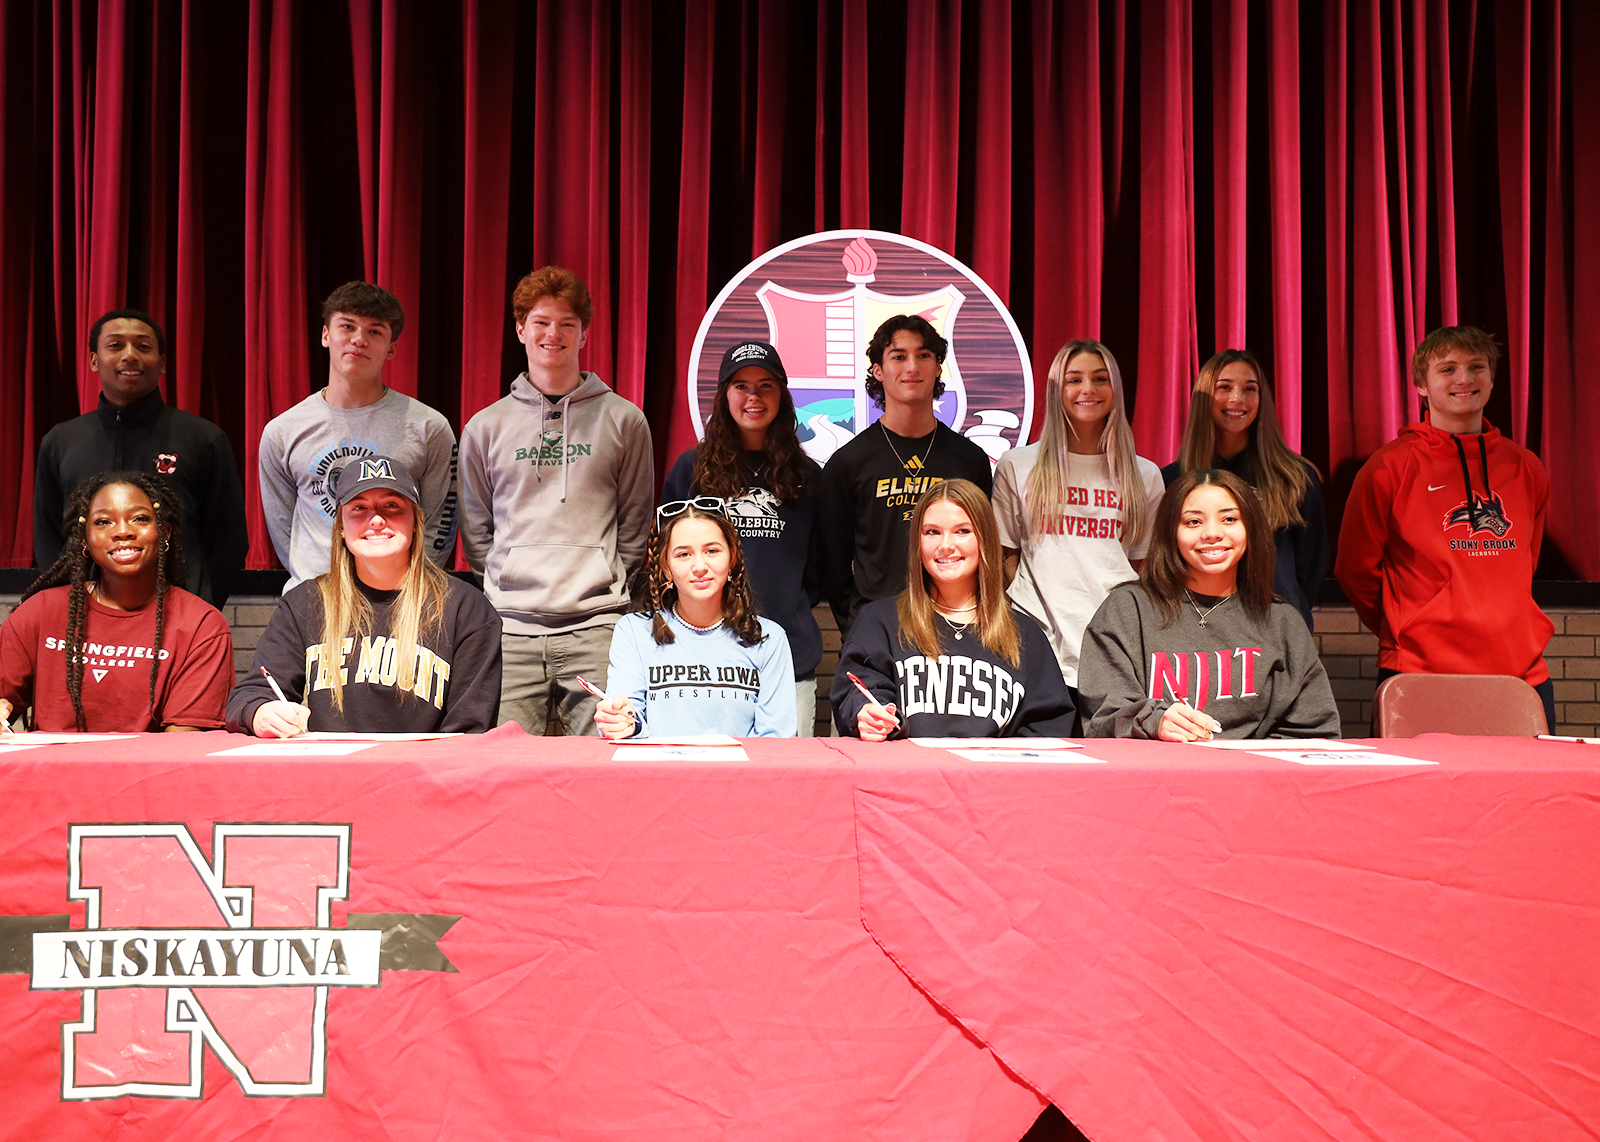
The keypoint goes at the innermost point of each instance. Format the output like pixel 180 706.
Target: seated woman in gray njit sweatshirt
pixel 1200 647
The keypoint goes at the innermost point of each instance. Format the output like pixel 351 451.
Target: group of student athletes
pixel 1075 587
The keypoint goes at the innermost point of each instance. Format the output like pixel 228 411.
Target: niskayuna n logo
pixel 238 954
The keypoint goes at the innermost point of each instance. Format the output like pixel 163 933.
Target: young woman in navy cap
pixel 383 640
pixel 751 459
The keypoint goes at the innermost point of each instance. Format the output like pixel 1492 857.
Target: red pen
pixel 865 693
pixel 601 694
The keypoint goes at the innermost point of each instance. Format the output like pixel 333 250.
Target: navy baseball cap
pixel 744 353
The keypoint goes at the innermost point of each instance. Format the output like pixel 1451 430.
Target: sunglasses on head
pixel 678 507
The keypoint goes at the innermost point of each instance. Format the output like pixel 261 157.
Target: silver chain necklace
pixel 958 628
pixel 922 461
pixel 1196 605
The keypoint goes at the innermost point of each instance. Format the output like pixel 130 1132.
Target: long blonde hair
pixel 346 613
pixel 997 627
pixel 1048 482
pixel 1271 467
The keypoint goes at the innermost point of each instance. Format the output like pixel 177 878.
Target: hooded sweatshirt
pixel 1440 538
pixel 557 500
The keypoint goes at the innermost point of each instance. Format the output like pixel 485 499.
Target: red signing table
pixel 828 940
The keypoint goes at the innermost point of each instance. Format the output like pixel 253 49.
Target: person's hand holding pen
pixel 281 718
pixel 615 717
pixel 5 717
pixel 876 721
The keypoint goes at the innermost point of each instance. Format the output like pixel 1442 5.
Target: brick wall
pixel 1349 651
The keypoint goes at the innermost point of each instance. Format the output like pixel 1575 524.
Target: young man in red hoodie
pixel 1442 530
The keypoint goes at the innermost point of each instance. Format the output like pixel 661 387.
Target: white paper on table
pixel 61 739
pixel 687 739
pixel 1284 745
pixel 997 743
pixel 345 736
pixel 1331 758
pixel 6 745
pixel 1058 757
pixel 293 747
pixel 680 753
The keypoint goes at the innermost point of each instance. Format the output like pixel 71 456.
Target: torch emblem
pixel 818 301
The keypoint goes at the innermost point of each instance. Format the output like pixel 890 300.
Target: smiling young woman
pixel 104 641
pixel 383 640
pixel 950 656
pixel 1233 426
pixel 751 458
pixel 1200 647
pixel 698 659
pixel 1075 507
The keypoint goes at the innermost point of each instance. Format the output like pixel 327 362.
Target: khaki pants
pixel 540 671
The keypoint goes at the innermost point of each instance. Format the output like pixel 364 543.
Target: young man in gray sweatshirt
pixel 355 415
pixel 557 495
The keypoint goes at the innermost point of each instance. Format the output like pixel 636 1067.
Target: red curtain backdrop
pixel 1319 183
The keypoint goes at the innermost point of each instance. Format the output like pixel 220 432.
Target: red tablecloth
pixel 1184 943
pixel 645 950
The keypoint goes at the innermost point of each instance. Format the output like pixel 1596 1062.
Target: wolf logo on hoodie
pixel 1480 514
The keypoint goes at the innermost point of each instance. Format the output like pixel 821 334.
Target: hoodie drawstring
pixel 1466 476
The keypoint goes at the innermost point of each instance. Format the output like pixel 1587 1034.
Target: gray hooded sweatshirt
pixel 556 504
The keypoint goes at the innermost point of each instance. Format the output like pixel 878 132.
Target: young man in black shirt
pixel 134 428
pixel 871 485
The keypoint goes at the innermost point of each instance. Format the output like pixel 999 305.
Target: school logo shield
pixel 819 299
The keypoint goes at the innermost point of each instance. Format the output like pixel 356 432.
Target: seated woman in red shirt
pixel 105 641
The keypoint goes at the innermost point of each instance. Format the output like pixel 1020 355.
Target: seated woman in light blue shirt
pixel 699 660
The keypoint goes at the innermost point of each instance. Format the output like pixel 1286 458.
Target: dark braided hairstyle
pixel 738 607
pixel 76 569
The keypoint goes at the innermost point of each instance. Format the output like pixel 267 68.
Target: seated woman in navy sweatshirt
pixel 383 640
pixel 950 656
pixel 1200 647
pixel 699 660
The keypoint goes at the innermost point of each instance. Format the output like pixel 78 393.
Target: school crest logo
pixel 819 299
pixel 238 953
pixel 375 470
pixel 166 463
pixel 1480 513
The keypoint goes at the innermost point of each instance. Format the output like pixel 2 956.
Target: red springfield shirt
pixel 192 679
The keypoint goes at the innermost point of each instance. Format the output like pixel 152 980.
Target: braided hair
pixel 738 607
pixel 76 569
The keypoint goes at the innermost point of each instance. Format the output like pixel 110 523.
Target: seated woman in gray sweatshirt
pixel 1200 647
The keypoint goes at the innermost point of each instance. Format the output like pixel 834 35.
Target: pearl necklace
pixel 692 626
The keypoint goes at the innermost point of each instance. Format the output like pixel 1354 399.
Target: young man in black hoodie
pixel 134 428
